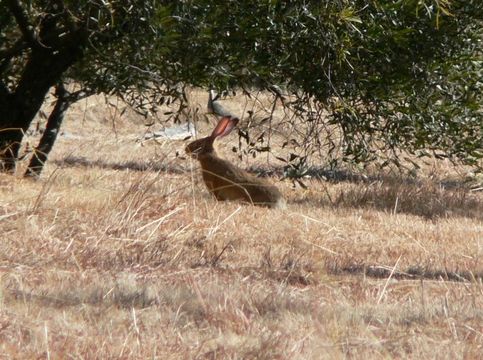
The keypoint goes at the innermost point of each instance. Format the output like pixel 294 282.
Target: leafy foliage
pixel 385 76
pixel 364 80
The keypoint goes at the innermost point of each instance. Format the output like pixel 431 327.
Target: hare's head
pixel 204 147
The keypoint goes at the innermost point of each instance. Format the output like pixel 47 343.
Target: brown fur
pixel 227 181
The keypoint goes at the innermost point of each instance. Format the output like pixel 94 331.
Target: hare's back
pixel 228 182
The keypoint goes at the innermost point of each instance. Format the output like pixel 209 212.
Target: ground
pixel 118 251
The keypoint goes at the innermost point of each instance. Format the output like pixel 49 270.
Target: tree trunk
pixel 47 140
pixel 47 62
pixel 10 140
pixel 42 71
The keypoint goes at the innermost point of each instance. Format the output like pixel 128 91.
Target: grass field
pixel 101 259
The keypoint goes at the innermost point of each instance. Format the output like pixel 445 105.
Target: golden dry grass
pixel 101 260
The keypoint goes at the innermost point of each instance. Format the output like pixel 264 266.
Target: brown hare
pixel 227 181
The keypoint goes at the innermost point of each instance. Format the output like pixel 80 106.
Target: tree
pixel 365 78
pixel 46 42
pixel 64 100
pixel 372 80
pixel 50 55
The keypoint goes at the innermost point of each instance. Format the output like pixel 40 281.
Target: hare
pixel 227 181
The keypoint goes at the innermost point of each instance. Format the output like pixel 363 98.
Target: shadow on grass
pixel 388 193
pixel 411 273
pixel 420 197
pixel 71 161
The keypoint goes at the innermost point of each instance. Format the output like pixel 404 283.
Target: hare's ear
pixel 224 126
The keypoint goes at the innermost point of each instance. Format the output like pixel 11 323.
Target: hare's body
pixel 227 181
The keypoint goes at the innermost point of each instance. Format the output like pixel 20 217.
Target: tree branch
pixel 21 16
pixel 16 49
pixel 67 15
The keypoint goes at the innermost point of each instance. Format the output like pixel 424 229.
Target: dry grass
pixel 101 260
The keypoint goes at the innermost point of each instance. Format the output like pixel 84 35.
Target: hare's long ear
pixel 224 127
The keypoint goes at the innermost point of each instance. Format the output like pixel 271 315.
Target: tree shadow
pixel 398 194
pixel 389 193
pixel 338 175
pixel 411 273
pixel 72 161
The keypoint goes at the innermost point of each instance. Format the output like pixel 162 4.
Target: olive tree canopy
pixel 389 76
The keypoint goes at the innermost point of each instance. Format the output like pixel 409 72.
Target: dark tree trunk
pixel 42 71
pixel 47 140
pixel 47 62
pixel 10 140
